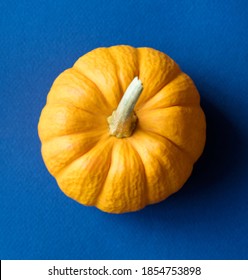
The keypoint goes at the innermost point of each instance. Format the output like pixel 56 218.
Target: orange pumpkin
pixel 116 141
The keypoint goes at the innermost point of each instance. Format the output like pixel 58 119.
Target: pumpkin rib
pixel 116 70
pixel 98 202
pixel 97 66
pixel 144 54
pixel 153 186
pixel 98 89
pixel 75 89
pixel 60 151
pixel 95 201
pixel 140 106
pixel 83 178
pixel 168 178
pixel 174 144
pixel 182 154
pixel 185 127
pixel 143 168
pixel 125 59
pixel 46 141
pixel 161 88
pixel 68 134
pixel 77 157
pixel 190 91
pixel 138 61
pixel 171 106
pixel 122 202
pixel 62 102
pixel 171 191
pixel 193 106
pixel 47 130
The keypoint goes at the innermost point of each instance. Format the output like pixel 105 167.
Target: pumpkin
pixel 122 128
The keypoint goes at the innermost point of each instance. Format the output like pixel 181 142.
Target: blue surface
pixel 208 218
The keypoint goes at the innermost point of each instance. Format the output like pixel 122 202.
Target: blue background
pixel 208 218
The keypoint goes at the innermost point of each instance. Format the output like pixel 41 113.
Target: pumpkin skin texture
pixel 114 174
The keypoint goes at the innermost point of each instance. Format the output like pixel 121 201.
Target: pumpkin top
pixel 162 135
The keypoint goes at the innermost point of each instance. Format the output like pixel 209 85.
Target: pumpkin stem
pixel 123 120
